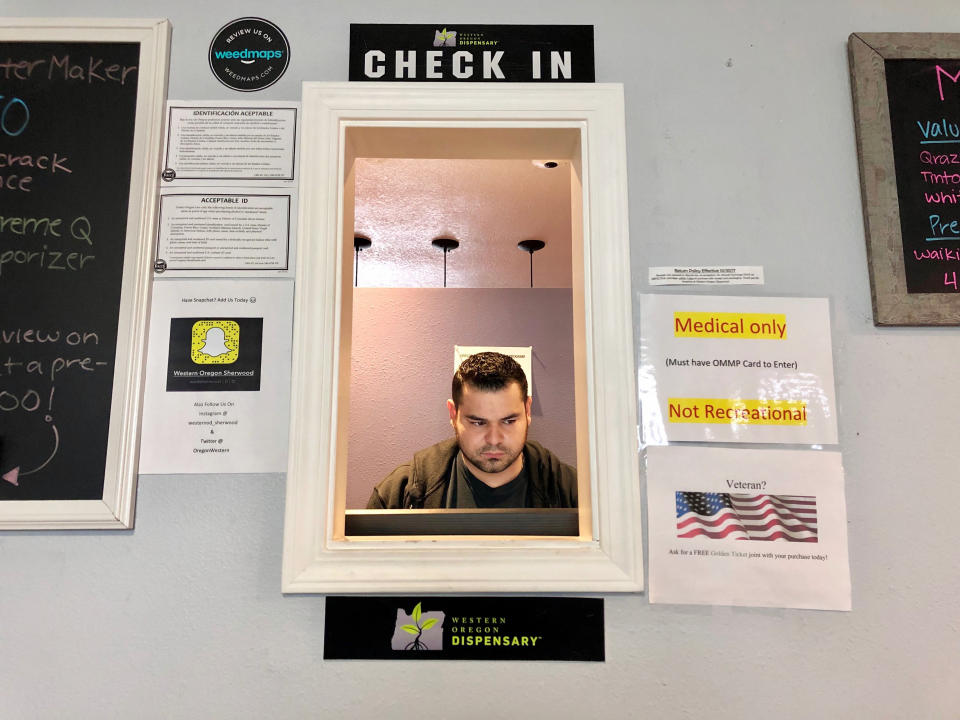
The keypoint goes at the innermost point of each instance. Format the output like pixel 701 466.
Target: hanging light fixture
pixel 359 243
pixel 531 246
pixel 446 244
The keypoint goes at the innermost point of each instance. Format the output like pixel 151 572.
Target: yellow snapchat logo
pixel 214 342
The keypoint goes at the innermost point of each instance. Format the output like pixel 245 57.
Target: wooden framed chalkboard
pixel 906 97
pixel 81 108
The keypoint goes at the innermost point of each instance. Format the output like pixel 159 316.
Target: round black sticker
pixel 249 54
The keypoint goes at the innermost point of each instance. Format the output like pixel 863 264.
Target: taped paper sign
pixel 747 527
pixel 523 356
pixel 736 369
pixel 706 275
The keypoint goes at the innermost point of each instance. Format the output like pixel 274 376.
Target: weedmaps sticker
pixel 249 54
pixel 463 628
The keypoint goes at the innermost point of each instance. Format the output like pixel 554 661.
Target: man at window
pixel 489 463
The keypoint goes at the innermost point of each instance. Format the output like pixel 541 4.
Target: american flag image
pixel 737 516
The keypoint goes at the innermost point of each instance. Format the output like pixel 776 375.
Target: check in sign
pixel 471 53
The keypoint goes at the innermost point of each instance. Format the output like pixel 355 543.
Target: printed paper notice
pixel 707 275
pixel 523 356
pixel 218 377
pixel 230 142
pixel 747 527
pixel 736 369
pixel 209 233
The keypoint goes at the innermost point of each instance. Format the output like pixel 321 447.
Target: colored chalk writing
pixel 67 116
pixel 924 101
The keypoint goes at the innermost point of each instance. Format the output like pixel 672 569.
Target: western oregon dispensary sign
pixel 472 53
pixel 464 628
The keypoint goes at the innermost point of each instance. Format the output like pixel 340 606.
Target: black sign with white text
pixel 472 53
pixel 464 628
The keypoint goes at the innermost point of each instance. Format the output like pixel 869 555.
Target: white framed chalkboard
pixel 80 125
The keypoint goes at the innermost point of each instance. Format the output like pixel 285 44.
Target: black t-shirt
pixel 467 491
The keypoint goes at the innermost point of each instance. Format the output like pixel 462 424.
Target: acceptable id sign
pixel 736 369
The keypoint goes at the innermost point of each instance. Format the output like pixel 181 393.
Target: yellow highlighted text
pixel 737 412
pixel 754 326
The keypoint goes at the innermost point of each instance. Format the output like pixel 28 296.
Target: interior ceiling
pixel 488 205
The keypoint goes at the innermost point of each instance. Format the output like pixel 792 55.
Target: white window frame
pixel 607 556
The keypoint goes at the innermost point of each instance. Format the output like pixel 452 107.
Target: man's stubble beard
pixel 487 465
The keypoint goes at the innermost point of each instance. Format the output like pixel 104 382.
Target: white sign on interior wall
pixel 523 356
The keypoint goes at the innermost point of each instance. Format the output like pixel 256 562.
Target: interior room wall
pixel 741 150
pixel 488 206
pixel 402 364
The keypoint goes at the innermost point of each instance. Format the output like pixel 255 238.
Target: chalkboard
pixel 906 90
pixel 79 122
pixel 924 100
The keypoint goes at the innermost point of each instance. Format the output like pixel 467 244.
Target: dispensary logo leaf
pixel 444 37
pixel 419 626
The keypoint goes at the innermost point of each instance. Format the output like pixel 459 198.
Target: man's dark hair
pixel 488 372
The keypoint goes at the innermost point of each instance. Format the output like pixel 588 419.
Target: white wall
pixel 741 150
